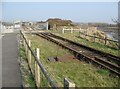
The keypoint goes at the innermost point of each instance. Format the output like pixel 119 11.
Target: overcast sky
pixel 77 12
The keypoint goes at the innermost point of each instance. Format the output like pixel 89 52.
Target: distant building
pixel 41 25
pixel 17 24
pixel 7 27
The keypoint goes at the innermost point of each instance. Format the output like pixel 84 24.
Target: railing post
pixel 105 40
pixel 79 34
pixel 68 84
pixel 23 42
pixel 26 47
pixel 29 53
pixel 71 30
pixel 37 69
pixel 63 30
pixel 36 72
pixel 94 37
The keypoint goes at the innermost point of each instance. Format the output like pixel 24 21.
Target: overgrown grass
pixel 27 77
pixel 97 46
pixel 81 73
pixel 22 53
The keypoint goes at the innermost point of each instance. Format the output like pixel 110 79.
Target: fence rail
pixel 105 39
pixel 83 34
pixel 39 67
pixel 38 63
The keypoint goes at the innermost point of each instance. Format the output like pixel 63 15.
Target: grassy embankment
pixel 97 46
pixel 81 73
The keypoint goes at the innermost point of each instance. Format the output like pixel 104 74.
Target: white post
pixel 23 42
pixel 68 84
pixel 63 30
pixel 29 53
pixel 71 30
pixel 26 48
pixel 37 69
pixel 38 76
pixel 36 72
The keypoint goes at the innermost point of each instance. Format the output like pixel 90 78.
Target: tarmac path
pixel 10 65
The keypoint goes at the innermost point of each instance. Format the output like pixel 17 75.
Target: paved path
pixel 10 65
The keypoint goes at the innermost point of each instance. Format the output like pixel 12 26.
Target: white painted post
pixel 68 84
pixel 29 53
pixel 37 69
pixel 47 25
pixel 63 30
pixel 38 76
pixel 23 42
pixel 26 48
pixel 23 39
pixel 36 72
pixel 71 30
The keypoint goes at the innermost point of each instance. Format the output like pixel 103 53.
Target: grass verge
pixel 95 45
pixel 81 73
pixel 27 77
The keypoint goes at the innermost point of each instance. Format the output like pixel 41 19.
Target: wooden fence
pixel 94 38
pixel 38 67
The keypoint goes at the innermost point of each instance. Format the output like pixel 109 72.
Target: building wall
pixel 7 29
pixel 42 26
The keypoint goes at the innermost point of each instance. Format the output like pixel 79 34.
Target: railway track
pixel 85 53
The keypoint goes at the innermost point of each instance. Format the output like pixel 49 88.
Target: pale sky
pixel 75 11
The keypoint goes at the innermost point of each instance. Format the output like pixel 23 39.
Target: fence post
pixel 68 84
pixel 25 45
pixel 71 30
pixel 105 40
pixel 63 30
pixel 94 37
pixel 99 38
pixel 79 34
pixel 23 42
pixel 37 69
pixel 29 53
pixel 85 34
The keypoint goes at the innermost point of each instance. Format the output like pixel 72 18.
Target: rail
pixel 38 66
pixel 50 80
pixel 105 63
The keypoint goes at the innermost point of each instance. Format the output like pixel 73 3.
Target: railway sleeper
pixel 113 57
pixel 101 63
pixel 109 64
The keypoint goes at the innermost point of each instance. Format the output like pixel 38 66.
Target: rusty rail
pixel 99 60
